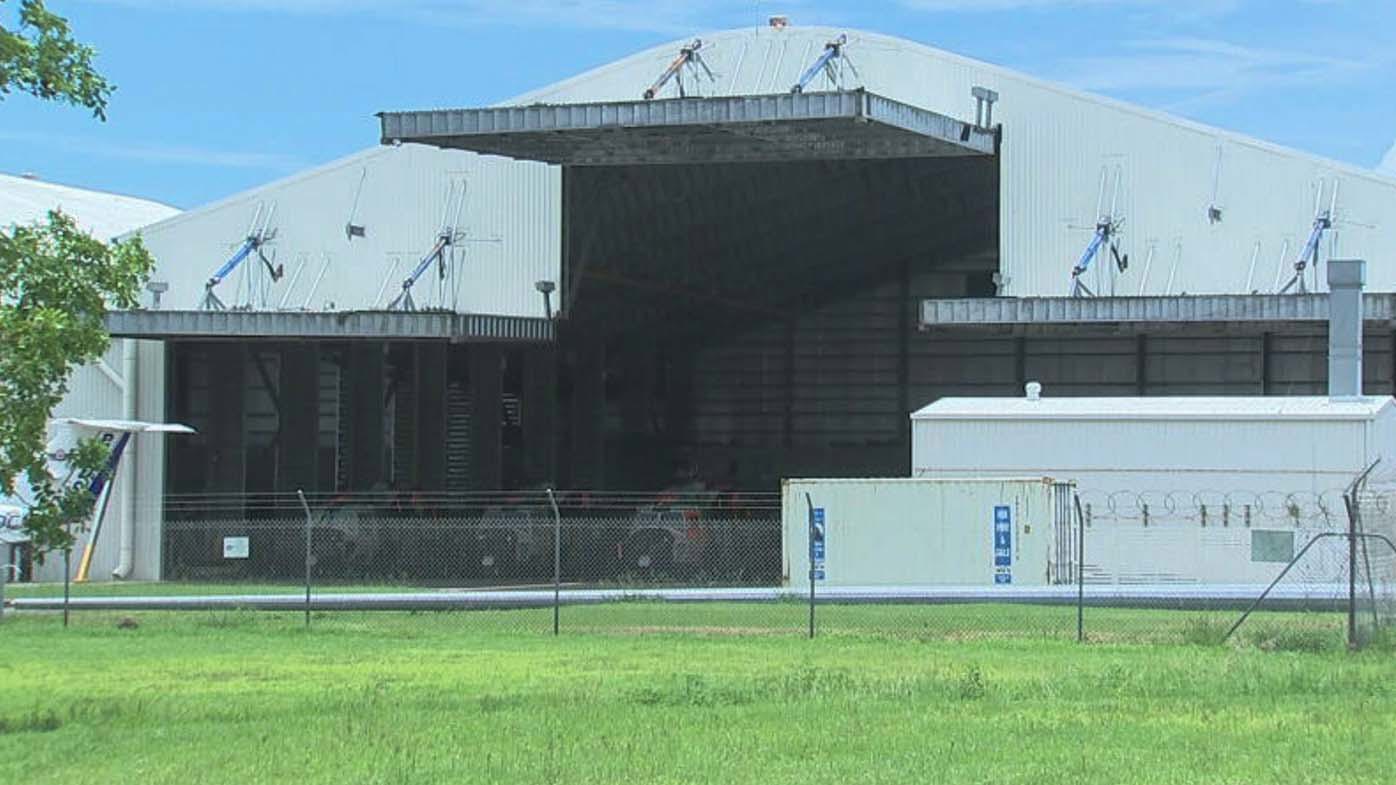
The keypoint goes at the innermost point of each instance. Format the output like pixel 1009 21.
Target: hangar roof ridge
pixel 665 52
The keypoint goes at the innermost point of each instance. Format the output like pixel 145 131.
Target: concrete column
pixel 540 413
pixel 588 417
pixel 431 415
pixel 365 408
pixel 298 445
pixel 486 394
pixel 227 363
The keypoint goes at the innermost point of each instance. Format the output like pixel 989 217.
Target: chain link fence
pixel 1179 568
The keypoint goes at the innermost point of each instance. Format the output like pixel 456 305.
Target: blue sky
pixel 216 96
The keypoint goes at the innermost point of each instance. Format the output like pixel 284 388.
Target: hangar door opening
pixel 740 276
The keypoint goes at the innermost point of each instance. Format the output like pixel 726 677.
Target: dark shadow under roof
pixel 779 127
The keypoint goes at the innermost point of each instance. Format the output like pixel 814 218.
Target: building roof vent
pixel 779 21
pixel 1034 391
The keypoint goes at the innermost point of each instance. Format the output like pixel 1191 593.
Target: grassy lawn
pixel 488 697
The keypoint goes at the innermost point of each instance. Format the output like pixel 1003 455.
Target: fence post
pixel 557 563
pixel 809 533
pixel 1080 572
pixel 1352 572
pixel 308 557
pixel 67 564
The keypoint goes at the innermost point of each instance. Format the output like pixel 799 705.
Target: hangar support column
pixel 227 363
pixel 365 390
pixel 588 415
pixel 486 394
pixel 540 413
pixel 430 384
pixel 298 438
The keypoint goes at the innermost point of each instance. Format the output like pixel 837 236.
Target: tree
pixel 38 56
pixel 56 282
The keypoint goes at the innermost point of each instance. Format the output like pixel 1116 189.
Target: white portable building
pixel 903 532
pixel 1176 490
pixel 1157 445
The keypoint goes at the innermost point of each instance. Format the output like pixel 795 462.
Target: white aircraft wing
pixel 126 426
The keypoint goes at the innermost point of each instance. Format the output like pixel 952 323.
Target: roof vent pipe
pixel 1346 277
pixel 1034 391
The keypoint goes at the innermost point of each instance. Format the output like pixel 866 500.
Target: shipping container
pixel 915 532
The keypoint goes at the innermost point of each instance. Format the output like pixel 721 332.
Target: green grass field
pixel 638 692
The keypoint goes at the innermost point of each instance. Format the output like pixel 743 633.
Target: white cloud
pixel 1204 64
pixel 1211 7
pixel 666 16
pixel 1388 163
pixel 158 154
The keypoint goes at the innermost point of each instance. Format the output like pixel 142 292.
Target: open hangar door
pixel 741 275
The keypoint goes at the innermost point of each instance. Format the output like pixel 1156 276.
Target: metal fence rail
pixel 1146 567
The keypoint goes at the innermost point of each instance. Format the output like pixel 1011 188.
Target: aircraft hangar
pixel 746 256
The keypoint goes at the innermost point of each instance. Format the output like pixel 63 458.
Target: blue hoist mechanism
pixel 1323 222
pixel 830 63
pixel 689 59
pixel 1107 229
pixel 259 234
pixel 448 236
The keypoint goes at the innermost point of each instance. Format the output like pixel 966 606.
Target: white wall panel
pixel 512 219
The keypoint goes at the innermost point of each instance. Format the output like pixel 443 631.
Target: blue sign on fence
pixel 816 542
pixel 1003 544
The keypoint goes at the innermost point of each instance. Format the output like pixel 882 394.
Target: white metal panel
pixel 1228 445
pixel 1281 408
pixel 907 532
pixel 511 219
pixel 1056 144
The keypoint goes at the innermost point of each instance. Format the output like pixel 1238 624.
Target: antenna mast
pixel 1107 228
pixel 259 234
pixel 689 59
pixel 1323 222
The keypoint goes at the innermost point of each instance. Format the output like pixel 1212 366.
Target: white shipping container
pixel 913 532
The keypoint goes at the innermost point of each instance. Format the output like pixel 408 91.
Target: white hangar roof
pixel 24 200
pixel 1059 145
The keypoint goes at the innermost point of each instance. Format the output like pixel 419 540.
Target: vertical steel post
pixel 809 533
pixel 557 564
pixel 1080 572
pixel 305 506
pixel 67 564
pixel 1352 581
